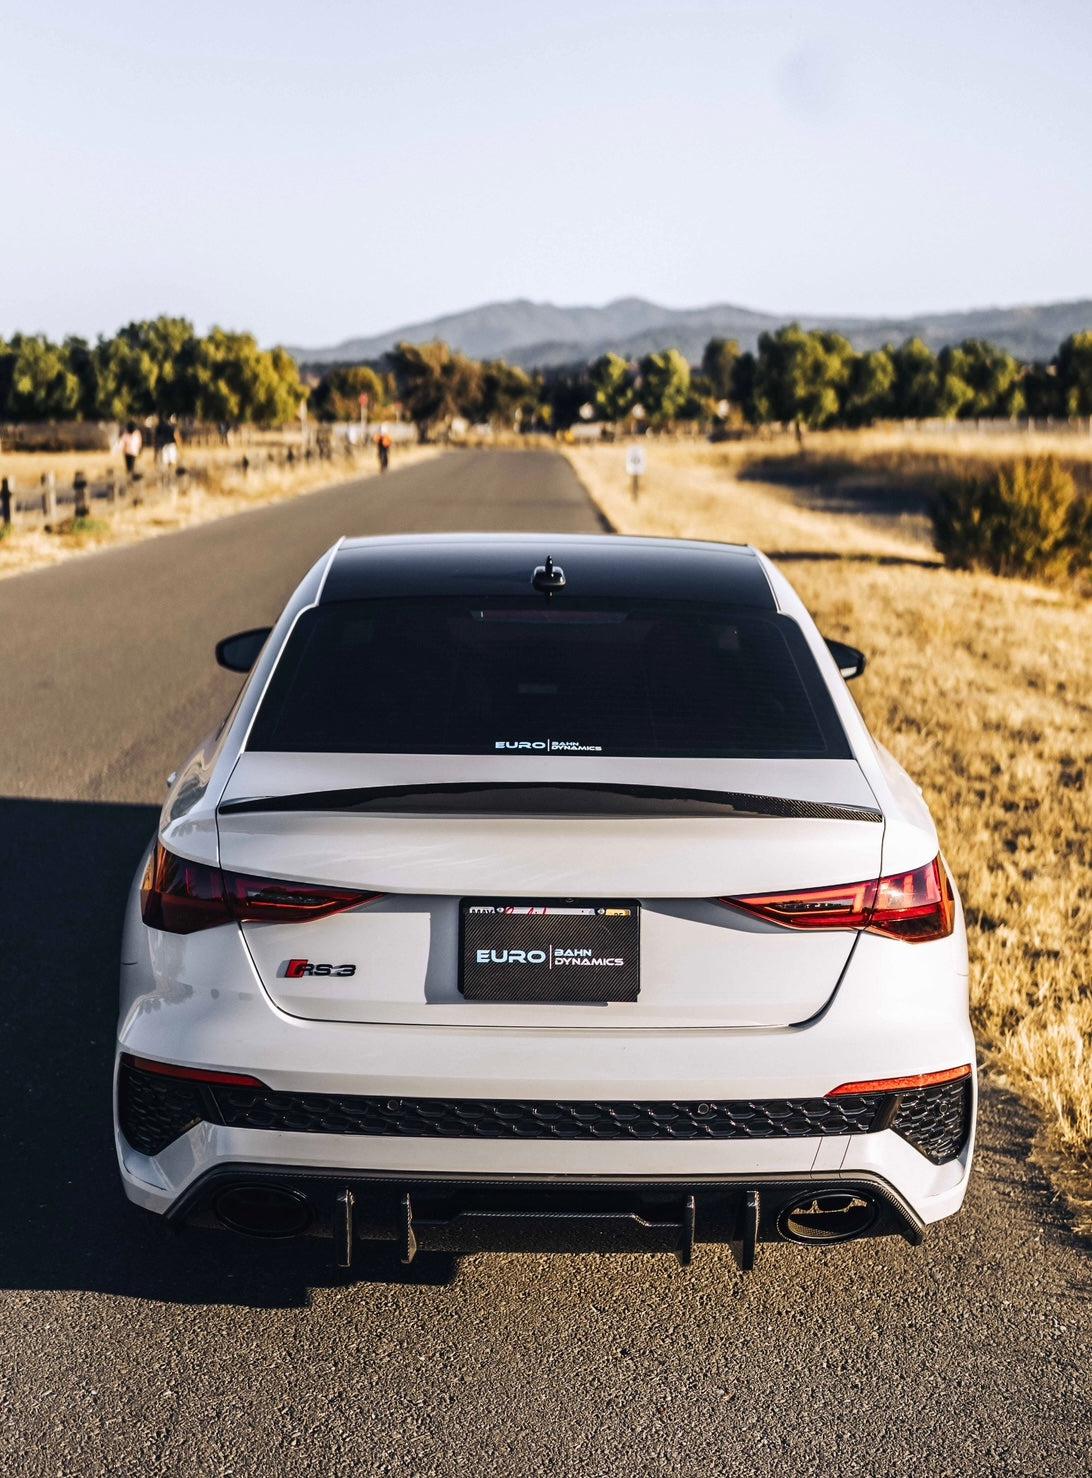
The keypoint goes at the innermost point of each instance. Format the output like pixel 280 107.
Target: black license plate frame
pixel 590 951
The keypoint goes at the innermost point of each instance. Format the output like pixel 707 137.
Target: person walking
pixel 132 444
pixel 166 444
pixel 383 447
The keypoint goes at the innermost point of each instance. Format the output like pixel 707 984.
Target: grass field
pixel 914 449
pixel 982 688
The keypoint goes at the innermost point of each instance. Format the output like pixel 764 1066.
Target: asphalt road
pixel 123 1351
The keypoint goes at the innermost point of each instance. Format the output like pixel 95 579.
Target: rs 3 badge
pixel 295 968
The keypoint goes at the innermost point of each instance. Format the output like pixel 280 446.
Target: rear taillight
pixel 915 906
pixel 181 897
pixel 191 1074
pixel 902 1085
pixel 287 903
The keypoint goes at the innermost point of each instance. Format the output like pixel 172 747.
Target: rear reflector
pixel 181 897
pixel 915 906
pixel 191 1074
pixel 901 1085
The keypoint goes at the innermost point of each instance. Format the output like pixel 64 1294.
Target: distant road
pixel 125 1352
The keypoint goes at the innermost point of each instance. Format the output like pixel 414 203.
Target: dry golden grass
pixel 983 689
pixel 227 490
pixel 901 460
pixel 957 440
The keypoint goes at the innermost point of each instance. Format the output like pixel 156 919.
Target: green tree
pixel 718 365
pixel 665 385
pixel 563 391
pixel 1044 393
pixel 418 371
pixel 337 395
pixel 956 392
pixel 434 383
pixel 7 369
pixel 743 385
pixel 917 381
pixel 508 396
pixel 124 384
pixel 978 379
pixel 281 390
pixel 611 380
pixel 238 381
pixel 43 386
pixel 147 368
pixel 868 395
pixel 81 361
pixel 800 375
pixel 1075 374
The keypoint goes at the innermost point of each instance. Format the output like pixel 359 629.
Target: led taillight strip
pixel 916 906
pixel 902 1085
pixel 181 897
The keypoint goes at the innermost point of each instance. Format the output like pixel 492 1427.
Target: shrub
pixel 83 530
pixel 1023 518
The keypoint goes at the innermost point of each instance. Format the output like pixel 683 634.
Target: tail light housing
pixel 902 1085
pixel 916 906
pixel 181 897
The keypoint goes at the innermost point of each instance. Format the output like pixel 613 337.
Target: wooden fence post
pixel 80 500
pixel 49 496
pixel 6 503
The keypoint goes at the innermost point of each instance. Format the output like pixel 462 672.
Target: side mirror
pixel 239 653
pixel 851 662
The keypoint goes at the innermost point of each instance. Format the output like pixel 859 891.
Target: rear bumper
pixel 215 1154
pixel 196 1001
pixel 460 1214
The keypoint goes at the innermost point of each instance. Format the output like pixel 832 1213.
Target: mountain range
pixel 539 335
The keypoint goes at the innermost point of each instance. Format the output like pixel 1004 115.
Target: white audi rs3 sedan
pixel 545 892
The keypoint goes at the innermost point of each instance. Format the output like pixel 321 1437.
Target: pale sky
pixel 325 168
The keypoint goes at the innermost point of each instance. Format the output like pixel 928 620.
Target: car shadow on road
pixel 66 868
pixel 65 871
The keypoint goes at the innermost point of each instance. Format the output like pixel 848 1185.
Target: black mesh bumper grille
pixel 495 1118
pixel 154 1110
pixel 935 1120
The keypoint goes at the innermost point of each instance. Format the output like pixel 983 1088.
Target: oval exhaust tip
pixel 826 1217
pixel 263 1210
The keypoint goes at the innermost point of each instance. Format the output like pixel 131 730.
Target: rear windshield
pixel 477 676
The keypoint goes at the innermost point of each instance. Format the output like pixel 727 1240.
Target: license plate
pixel 571 950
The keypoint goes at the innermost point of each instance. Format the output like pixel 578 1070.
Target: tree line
pixel 157 367
pixel 811 378
pixel 796 376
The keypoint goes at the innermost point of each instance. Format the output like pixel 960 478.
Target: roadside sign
pixel 363 397
pixel 636 462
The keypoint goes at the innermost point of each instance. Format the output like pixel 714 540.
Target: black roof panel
pixel 503 564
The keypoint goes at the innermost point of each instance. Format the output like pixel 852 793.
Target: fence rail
pixel 51 504
pixel 45 504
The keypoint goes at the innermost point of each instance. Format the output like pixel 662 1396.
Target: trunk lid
pixel 702 965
